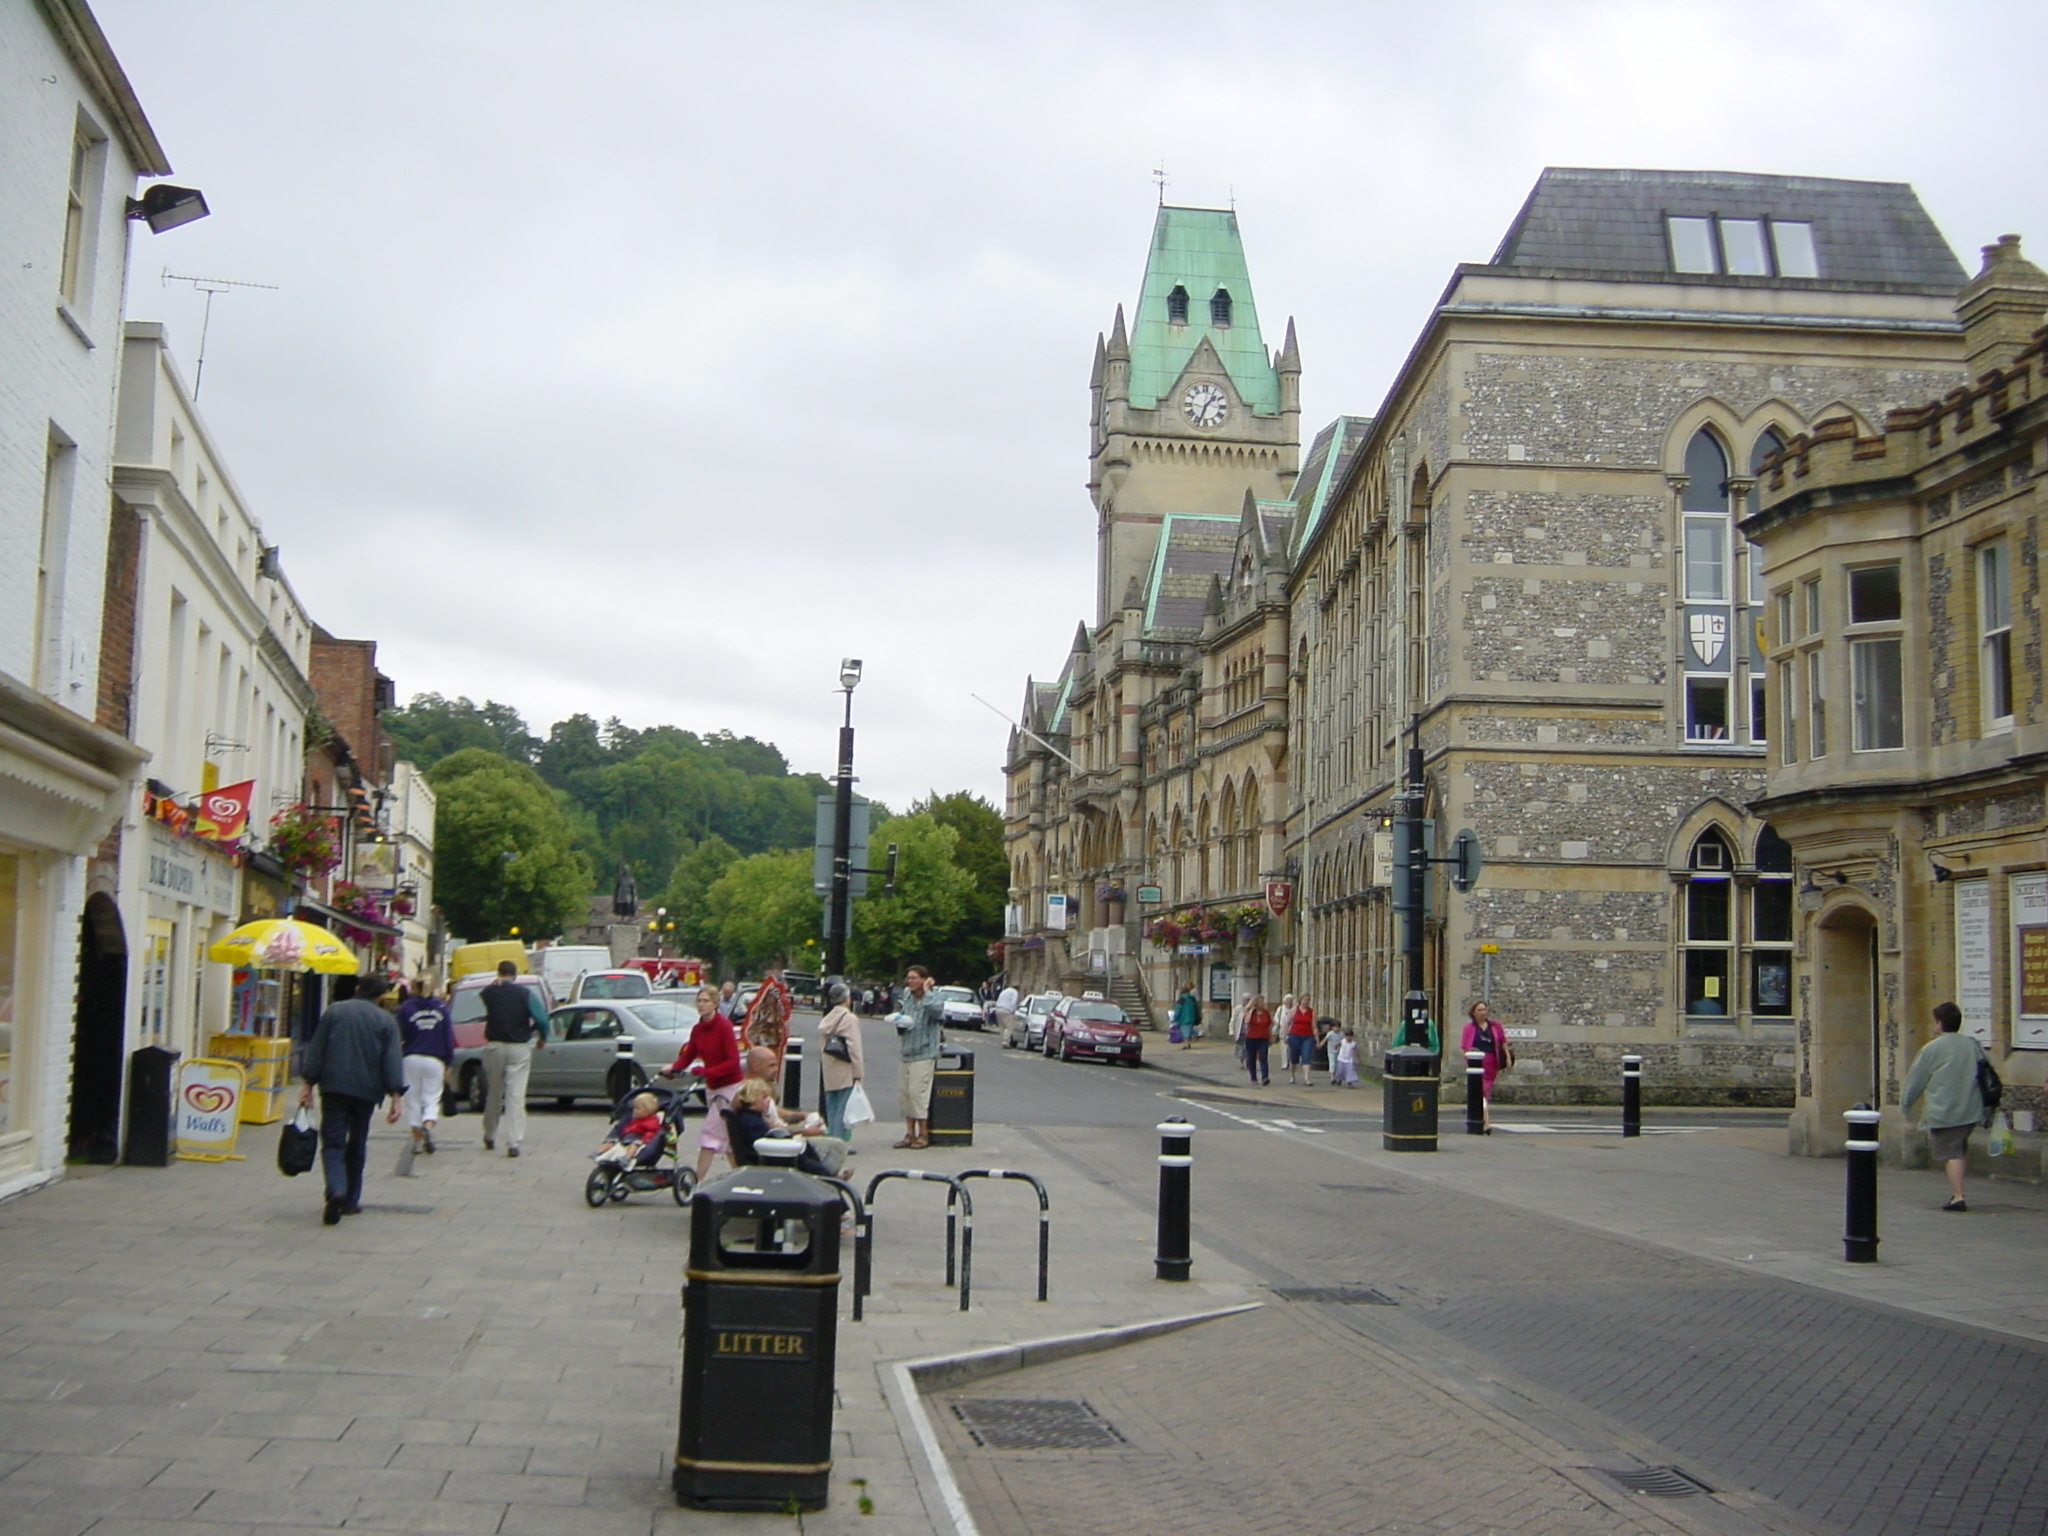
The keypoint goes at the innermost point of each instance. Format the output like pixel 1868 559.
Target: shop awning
pixel 334 917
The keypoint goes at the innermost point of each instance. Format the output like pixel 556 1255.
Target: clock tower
pixel 1189 411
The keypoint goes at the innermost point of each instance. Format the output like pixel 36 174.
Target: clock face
pixel 1205 405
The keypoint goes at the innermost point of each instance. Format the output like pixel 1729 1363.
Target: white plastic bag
pixel 2001 1135
pixel 858 1110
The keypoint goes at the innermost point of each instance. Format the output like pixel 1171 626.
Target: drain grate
pixel 1335 1295
pixel 1656 1482
pixel 1036 1424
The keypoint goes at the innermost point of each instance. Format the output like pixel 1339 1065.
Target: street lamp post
pixel 840 911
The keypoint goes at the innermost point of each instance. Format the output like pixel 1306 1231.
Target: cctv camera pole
pixel 842 849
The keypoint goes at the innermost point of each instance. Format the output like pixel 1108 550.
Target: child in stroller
pixel 639 1150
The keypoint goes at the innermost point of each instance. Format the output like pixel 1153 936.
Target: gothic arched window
pixel 1705 529
pixel 1709 898
pixel 1770 927
pixel 1219 307
pixel 1177 306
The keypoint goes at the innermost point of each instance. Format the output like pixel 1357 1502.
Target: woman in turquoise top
pixel 1945 1075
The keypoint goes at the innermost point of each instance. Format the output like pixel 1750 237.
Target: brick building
pixel 1903 578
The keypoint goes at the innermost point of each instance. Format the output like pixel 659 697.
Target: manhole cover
pixel 1657 1482
pixel 1036 1424
pixel 1336 1295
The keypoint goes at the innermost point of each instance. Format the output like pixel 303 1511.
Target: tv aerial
pixel 208 286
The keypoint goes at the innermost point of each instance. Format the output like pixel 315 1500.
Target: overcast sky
pixel 644 359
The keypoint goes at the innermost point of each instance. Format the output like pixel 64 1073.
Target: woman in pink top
pixel 1484 1034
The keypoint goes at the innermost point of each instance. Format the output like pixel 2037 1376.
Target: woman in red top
pixel 715 1046
pixel 1256 1036
pixel 1300 1020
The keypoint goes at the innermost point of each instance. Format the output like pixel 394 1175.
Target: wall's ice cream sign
pixel 206 1114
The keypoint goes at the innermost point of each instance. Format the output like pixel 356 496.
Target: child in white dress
pixel 1344 1065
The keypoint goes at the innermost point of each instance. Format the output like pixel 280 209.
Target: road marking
pixel 1290 1125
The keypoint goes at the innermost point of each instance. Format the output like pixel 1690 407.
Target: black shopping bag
pixel 298 1148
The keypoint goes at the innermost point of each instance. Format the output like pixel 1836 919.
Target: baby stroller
pixel 655 1166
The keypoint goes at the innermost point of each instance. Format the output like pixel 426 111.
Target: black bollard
pixel 1631 1095
pixel 1475 1093
pixel 1176 1166
pixel 793 1076
pixel 1859 1234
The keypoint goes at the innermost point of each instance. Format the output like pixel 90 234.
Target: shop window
pixel 10 942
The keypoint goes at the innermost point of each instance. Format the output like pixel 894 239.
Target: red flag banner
pixel 224 812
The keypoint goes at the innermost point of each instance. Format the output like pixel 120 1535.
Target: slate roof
pixel 1322 471
pixel 1612 221
pixel 1199 249
pixel 1193 547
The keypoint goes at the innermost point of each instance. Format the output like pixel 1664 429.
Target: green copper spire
pixel 1198 251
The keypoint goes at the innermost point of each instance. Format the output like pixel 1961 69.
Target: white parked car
pixel 961 1007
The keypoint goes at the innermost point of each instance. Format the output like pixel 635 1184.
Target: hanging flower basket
pixel 304 841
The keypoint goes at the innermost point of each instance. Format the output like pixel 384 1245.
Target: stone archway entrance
pixel 1845 1019
pixel 94 1131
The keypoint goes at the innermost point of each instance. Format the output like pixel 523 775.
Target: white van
pixel 561 965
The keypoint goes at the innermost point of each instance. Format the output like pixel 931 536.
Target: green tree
pixel 687 896
pixel 922 922
pixel 764 911
pixel 502 850
pixel 432 727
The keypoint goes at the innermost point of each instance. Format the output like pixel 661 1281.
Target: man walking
pixel 429 1043
pixel 515 1025
pixel 354 1060
pixel 1945 1074
pixel 919 1036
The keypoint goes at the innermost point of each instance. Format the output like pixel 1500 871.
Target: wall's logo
pixel 209 1098
pixel 1709 633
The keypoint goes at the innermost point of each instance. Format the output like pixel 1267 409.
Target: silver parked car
pixel 583 1059
pixel 1027 1024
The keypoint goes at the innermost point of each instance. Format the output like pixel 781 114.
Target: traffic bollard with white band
pixel 1859 1233
pixel 1631 1095
pixel 1475 1093
pixel 1176 1167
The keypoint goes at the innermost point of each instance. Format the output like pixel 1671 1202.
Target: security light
pixel 164 206
pixel 849 673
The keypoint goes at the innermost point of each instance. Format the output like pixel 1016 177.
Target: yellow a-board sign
pixel 206 1112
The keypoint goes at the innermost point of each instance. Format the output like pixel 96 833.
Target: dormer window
pixel 1219 309
pixel 1741 247
pixel 1177 306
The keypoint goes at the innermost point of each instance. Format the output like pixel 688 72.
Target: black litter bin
pixel 760 1333
pixel 150 1071
pixel 952 1108
pixel 1410 1106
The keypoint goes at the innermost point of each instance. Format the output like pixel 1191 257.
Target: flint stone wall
pixel 1606 409
pixel 1542 528
pixel 1592 811
pixel 1529 630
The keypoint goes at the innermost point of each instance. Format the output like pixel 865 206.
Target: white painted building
pixel 73 142
pixel 409 817
pixel 220 647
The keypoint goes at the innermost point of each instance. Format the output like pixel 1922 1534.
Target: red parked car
pixel 1088 1028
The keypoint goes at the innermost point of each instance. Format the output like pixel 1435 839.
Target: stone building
pixel 1157 755
pixel 1903 582
pixel 1531 559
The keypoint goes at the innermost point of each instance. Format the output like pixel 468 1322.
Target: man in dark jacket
pixel 354 1060
pixel 515 1024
